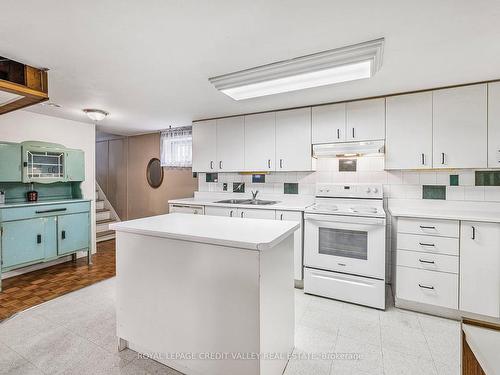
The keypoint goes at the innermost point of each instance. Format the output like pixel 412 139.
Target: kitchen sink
pixel 260 202
pixel 257 202
pixel 234 201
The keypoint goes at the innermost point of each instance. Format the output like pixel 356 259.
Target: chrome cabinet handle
pixel 211 164
pixel 242 212
pixel 426 261
pixel 231 213
pixel 341 264
pixel 220 164
pixel 353 133
pixel 426 244
pixel 425 286
pixel 281 163
pixel 473 232
pixel 423 159
pixel 281 217
pixel 426 227
pixel 269 163
pixel 442 158
pixel 338 133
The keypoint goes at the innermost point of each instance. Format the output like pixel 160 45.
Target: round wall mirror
pixel 154 173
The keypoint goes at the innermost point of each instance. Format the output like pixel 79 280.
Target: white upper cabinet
pixel 460 127
pixel 480 268
pixel 260 142
pixel 365 120
pixel 409 131
pixel 494 125
pixel 231 144
pixel 205 146
pixel 328 123
pixel 293 140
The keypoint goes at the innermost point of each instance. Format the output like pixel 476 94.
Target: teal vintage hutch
pixel 58 224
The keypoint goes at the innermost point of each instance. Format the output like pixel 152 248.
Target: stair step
pixel 102 210
pixel 104 221
pixel 99 204
pixel 103 225
pixel 105 233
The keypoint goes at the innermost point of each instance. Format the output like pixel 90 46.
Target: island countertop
pixel 252 234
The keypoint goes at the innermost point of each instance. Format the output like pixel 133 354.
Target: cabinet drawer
pixel 428 244
pixel 28 212
pixel 428 261
pixel 433 227
pixel 433 288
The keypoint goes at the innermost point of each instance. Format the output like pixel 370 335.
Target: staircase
pixel 104 215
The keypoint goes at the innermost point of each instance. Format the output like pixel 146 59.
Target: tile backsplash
pixel 397 184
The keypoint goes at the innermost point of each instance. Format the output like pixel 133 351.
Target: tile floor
pixel 75 334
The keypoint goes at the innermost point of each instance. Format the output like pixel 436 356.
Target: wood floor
pixel 30 289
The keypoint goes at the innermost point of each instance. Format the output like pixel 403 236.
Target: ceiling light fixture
pixel 96 114
pixel 349 63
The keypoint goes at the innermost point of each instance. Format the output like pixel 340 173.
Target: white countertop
pixel 470 211
pixel 253 234
pixel 484 343
pixel 42 203
pixel 287 205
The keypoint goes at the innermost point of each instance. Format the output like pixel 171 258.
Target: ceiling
pixel 148 62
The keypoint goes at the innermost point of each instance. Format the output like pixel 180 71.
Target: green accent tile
pixel 434 192
pixel 212 177
pixel 454 180
pixel 487 178
pixel 291 188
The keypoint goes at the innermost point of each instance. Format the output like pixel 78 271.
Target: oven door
pixel 349 244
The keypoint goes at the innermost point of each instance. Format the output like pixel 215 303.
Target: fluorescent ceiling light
pixel 325 68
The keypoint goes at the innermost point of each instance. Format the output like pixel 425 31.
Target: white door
pixel 460 127
pixel 221 211
pixel 494 125
pixel 253 213
pixel 297 240
pixel 409 131
pixel 260 142
pixel 231 144
pixel 293 140
pixel 365 120
pixel 328 123
pixel 480 268
pixel 205 146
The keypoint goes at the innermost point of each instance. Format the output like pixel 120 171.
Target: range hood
pixel 345 149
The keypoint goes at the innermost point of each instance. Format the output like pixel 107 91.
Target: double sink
pixel 257 202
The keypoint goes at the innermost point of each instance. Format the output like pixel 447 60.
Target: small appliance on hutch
pixel 344 244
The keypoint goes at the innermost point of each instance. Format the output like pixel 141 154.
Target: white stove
pixel 344 244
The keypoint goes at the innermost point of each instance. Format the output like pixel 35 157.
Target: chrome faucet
pixel 254 194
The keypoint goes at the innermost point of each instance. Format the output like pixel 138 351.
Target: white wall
pixel 22 126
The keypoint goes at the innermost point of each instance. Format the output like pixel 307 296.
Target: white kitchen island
pixel 207 295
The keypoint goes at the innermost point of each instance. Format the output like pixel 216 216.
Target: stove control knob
pixel 368 190
pixel 375 190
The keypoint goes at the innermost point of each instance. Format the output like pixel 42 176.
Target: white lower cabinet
pixel 249 213
pixel 427 261
pixel 221 211
pixel 449 263
pixel 430 287
pixel 298 256
pixel 480 268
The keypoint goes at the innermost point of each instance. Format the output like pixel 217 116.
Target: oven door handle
pixel 345 219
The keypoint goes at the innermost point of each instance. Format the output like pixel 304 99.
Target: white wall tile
pixel 492 193
pixel 443 178
pixel 455 193
pixel 395 177
pixel 411 178
pixel 363 164
pixel 474 193
pixel 428 178
pixel 413 191
pixel 466 178
pixel 377 163
pixel 397 191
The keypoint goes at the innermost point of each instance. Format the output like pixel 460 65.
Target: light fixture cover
pixel 349 63
pixel 95 114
